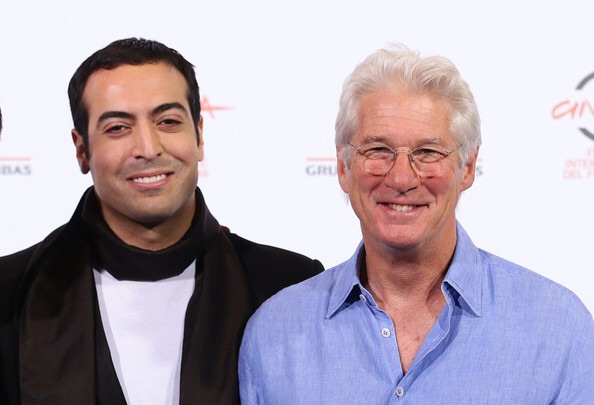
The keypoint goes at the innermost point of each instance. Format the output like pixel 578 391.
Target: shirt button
pixel 362 298
pixel 399 392
pixel 386 332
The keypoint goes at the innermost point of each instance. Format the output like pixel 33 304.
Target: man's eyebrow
pixel 168 106
pixel 375 138
pixel 433 140
pixel 113 114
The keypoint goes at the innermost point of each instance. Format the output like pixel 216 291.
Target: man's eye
pixel 169 122
pixel 378 152
pixel 429 154
pixel 115 129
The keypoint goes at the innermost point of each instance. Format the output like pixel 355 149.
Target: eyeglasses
pixel 426 160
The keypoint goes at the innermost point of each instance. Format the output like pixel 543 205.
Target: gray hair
pixel 396 66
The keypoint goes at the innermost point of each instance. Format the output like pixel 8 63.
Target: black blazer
pixel 267 270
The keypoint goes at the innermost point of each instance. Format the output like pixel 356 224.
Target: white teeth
pixel 151 179
pixel 401 208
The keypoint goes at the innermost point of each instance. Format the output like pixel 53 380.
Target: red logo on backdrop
pixel 577 109
pixel 581 111
pixel 209 108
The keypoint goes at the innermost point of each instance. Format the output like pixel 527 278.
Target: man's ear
pixel 81 156
pixel 199 126
pixel 342 170
pixel 468 172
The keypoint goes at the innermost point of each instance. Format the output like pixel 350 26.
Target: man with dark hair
pixel 141 297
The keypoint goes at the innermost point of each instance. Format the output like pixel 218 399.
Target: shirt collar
pixel 462 282
pixel 346 287
pixel 465 275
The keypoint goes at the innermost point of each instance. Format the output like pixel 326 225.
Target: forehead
pixel 402 116
pixel 134 88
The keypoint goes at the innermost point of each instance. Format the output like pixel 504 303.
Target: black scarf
pixel 63 354
pixel 126 262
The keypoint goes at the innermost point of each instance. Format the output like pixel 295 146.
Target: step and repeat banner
pixel 270 75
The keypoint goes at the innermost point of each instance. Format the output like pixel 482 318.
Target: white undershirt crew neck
pixel 144 326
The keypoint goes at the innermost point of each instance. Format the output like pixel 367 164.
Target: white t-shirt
pixel 144 326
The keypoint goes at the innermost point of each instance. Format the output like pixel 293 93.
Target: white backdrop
pixel 271 73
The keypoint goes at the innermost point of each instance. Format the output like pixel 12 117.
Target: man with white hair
pixel 418 314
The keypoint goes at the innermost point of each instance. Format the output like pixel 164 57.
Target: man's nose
pixel 402 176
pixel 147 142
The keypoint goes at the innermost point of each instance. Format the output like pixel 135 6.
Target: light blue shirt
pixel 506 336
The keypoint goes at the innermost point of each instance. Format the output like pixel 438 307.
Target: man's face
pixel 143 146
pixel 402 210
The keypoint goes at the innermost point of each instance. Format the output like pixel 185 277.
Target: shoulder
pixel 13 266
pixel 12 272
pixel 270 268
pixel 532 290
pixel 289 321
pixel 253 251
pixel 300 304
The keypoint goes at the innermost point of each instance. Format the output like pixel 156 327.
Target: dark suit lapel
pixel 216 315
pixel 56 340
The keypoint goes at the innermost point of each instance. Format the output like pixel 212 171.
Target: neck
pixel 406 276
pixel 126 261
pixel 404 284
pixel 152 236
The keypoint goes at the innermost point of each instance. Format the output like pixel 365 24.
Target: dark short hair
pixel 130 51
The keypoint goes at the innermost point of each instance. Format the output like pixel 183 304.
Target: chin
pixel 153 217
pixel 401 239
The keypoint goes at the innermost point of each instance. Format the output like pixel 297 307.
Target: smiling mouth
pixel 149 179
pixel 401 208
